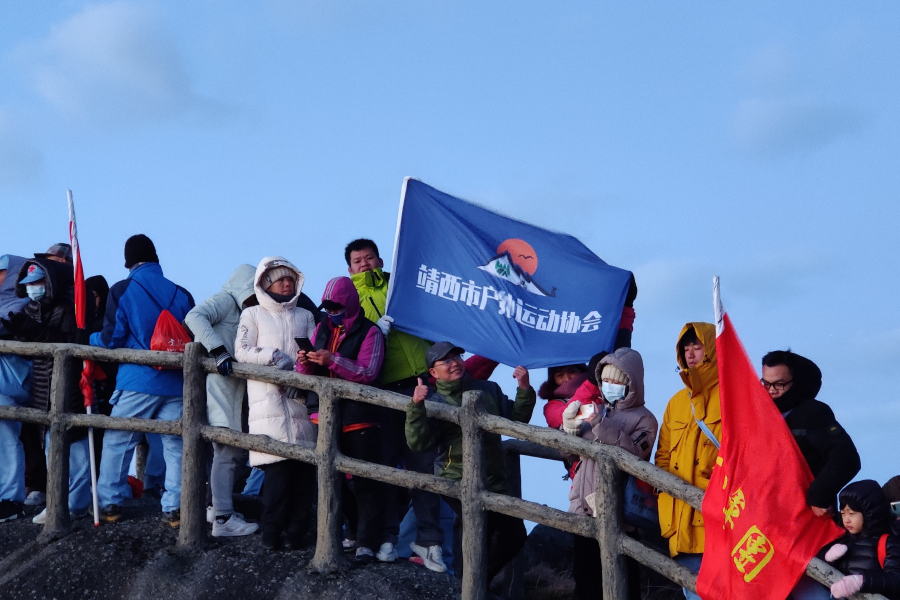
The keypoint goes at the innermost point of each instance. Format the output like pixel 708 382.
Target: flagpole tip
pixel 717 306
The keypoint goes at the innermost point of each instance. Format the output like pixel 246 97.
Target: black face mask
pixel 280 298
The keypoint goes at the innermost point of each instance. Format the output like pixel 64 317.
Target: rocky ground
pixel 136 559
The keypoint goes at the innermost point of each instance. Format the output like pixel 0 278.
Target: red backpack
pixel 168 334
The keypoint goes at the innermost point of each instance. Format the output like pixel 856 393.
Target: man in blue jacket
pixel 132 309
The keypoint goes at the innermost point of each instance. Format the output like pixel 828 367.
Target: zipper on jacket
pixel 378 312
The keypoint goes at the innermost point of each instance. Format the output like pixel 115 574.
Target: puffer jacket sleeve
pixel 639 442
pixel 201 318
pixel 368 362
pixel 246 349
pixel 886 581
pixel 842 462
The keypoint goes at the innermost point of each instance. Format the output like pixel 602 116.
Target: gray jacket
pixel 627 424
pixel 214 323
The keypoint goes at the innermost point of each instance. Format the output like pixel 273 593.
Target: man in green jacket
pixel 404 362
pixel 506 534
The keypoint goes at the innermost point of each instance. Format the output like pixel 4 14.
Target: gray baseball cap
pixel 440 350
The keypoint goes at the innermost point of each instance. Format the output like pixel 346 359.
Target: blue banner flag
pixel 498 287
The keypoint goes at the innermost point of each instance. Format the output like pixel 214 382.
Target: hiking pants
pixel 12 465
pixel 221 477
pixel 363 444
pixel 287 499
pixel 118 448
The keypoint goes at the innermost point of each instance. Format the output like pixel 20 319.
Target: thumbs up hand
pixel 421 392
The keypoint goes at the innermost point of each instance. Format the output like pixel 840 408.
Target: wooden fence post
pixel 474 521
pixel 329 554
pixel 58 522
pixel 609 519
pixel 192 532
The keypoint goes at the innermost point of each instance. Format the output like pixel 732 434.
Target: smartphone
pixel 587 410
pixel 304 344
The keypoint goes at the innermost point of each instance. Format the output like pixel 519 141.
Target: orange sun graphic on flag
pixel 522 254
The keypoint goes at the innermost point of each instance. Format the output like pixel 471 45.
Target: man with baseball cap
pixel 445 364
pixel 61 253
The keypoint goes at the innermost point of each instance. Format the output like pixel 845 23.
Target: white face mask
pixel 35 292
pixel 612 392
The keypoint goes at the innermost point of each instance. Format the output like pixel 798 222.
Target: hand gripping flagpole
pixel 85 384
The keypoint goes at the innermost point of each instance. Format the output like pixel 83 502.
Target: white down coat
pixel 214 323
pixel 263 329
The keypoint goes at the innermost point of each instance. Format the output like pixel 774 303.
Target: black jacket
pixel 827 448
pixel 50 320
pixel 352 412
pixel 862 549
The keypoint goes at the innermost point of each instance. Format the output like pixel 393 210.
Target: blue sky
pixel 680 141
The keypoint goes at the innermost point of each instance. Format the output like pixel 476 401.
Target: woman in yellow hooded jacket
pixel 689 440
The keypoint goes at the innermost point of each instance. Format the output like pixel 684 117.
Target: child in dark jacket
pixel 865 514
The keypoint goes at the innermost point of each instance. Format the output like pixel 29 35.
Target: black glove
pixel 294 393
pixel 223 360
pixel 20 324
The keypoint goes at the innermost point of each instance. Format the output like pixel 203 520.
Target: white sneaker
pixel 36 498
pixel 41 517
pixel 432 557
pixel 211 515
pixel 386 553
pixel 233 527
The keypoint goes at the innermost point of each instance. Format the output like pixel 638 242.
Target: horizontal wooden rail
pixel 123 423
pixel 302 451
pixel 582 525
pixel 398 477
pixel 26 415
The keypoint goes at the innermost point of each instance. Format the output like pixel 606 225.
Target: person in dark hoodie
pixel 793 382
pixel 859 553
pixel 15 389
pixel 349 346
pixel 49 317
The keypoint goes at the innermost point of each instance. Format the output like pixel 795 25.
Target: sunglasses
pixel 895 509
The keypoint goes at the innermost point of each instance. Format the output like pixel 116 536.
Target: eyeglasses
pixel 895 509
pixel 778 386
pixel 447 360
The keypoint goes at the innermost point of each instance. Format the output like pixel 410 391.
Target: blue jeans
pixel 692 562
pixel 118 447
pixel 12 465
pixel 254 482
pixel 79 473
pixel 810 589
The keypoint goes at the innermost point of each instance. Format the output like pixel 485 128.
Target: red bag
pixel 168 334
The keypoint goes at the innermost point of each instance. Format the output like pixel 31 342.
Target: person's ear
pixel 433 372
pixel 380 263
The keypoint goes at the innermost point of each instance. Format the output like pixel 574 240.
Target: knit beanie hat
pixel 138 249
pixel 892 489
pixel 614 374
pixel 273 275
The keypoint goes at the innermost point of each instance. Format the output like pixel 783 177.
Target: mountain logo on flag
pixel 516 262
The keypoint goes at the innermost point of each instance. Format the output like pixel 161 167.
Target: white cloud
pixel 784 125
pixel 110 62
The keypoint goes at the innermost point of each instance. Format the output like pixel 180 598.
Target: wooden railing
pixel 529 440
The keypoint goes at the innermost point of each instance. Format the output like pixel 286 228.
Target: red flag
pixel 760 534
pixel 87 389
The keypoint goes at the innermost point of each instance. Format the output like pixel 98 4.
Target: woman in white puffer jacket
pixel 266 337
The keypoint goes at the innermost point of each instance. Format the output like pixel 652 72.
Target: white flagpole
pixel 76 255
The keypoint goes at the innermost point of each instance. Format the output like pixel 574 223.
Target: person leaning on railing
pixel 214 323
pixel 689 442
pixel 266 336
pixel 132 311
pixel 451 380
pixel 49 317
